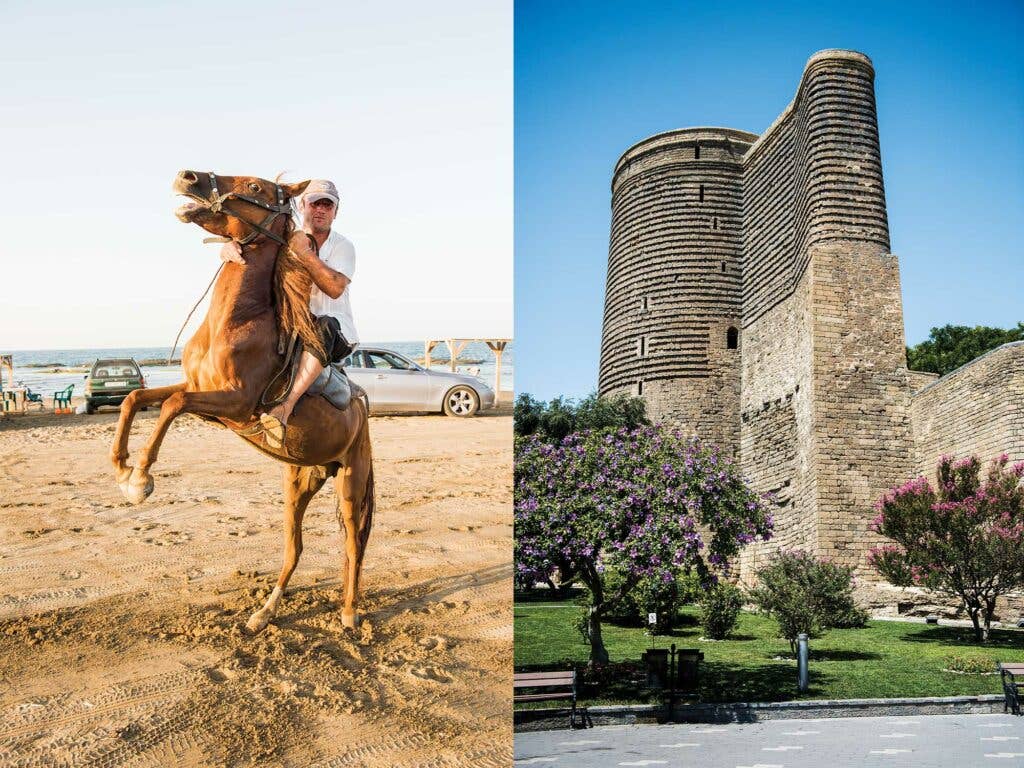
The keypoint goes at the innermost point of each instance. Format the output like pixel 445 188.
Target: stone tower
pixel 673 301
pixel 752 300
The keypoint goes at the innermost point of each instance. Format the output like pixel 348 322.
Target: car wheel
pixel 461 401
pixel 89 407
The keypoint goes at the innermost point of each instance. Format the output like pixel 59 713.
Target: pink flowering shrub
pixel 965 537
pixel 644 503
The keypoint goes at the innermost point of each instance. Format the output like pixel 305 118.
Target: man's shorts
pixel 334 340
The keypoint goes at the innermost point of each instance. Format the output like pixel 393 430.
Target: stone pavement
pixel 924 741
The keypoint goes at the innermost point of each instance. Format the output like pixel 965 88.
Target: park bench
pixel 556 685
pixel 1013 681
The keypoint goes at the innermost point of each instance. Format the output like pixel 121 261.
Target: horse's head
pixel 232 206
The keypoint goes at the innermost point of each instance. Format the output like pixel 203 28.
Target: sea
pixel 46 371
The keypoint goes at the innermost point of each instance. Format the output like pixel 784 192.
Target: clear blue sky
pixel 593 78
pixel 407 106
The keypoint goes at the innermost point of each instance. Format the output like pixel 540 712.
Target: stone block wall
pixel 978 409
pixel 920 379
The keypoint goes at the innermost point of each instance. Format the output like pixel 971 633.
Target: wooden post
pixel 428 347
pixel 497 347
pixel 455 347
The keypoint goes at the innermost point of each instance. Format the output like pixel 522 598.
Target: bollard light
pixel 803 678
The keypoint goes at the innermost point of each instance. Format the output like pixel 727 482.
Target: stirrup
pixel 273 431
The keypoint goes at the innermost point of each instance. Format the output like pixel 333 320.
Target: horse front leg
pixel 300 486
pixel 233 405
pixel 140 398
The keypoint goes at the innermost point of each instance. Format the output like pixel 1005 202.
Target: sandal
pixel 273 431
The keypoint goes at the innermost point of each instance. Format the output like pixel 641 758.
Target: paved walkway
pixel 926 741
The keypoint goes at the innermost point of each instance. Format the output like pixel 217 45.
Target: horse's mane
pixel 292 287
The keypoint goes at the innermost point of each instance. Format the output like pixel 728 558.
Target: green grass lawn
pixel 886 659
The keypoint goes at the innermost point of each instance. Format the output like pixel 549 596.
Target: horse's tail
pixel 368 508
pixel 369 495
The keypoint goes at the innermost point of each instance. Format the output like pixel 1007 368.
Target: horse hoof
pixel 137 493
pixel 258 622
pixel 138 488
pixel 349 620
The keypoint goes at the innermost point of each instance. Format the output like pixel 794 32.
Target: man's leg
pixel 275 421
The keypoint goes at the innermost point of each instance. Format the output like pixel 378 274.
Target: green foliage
pixel 719 609
pixel 964 538
pixel 691 587
pixel 806 595
pixel 647 594
pixel 951 346
pixel 646 503
pixel 554 420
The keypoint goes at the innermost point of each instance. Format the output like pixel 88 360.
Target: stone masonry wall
pixel 977 409
pixel 920 379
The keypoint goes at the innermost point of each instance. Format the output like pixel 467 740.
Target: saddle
pixel 332 384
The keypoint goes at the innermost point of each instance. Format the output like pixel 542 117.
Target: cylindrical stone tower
pixel 673 294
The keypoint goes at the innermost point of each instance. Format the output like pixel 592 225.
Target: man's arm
pixel 328 280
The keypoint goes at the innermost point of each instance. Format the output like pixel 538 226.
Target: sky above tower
pixel 592 79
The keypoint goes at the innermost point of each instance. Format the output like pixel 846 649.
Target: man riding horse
pixel 238 352
pixel 331 265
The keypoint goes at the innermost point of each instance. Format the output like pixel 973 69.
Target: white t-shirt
pixel 339 254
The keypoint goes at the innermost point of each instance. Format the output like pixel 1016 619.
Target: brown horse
pixel 234 355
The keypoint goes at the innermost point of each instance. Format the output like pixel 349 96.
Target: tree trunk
pixel 598 653
pixel 990 609
pixel 979 635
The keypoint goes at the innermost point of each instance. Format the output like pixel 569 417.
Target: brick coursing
pixel 785 238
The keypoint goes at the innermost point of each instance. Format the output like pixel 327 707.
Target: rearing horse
pixel 234 355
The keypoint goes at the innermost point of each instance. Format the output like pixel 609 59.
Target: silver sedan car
pixel 394 383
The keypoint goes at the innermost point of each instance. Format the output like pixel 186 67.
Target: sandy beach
pixel 121 628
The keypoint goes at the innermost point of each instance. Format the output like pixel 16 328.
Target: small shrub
pixel 971 665
pixel 806 595
pixel 719 610
pixel 691 588
pixel 650 595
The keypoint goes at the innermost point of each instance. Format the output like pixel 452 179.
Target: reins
pixel 192 311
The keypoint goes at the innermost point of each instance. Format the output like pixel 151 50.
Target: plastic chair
pixel 62 400
pixel 32 397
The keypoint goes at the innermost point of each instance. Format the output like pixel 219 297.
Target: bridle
pixel 216 205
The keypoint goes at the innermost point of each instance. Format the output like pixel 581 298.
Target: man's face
pixel 320 214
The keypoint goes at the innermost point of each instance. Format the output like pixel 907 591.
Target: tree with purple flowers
pixel 644 502
pixel 964 538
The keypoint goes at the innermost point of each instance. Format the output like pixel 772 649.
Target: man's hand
pixel 232 251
